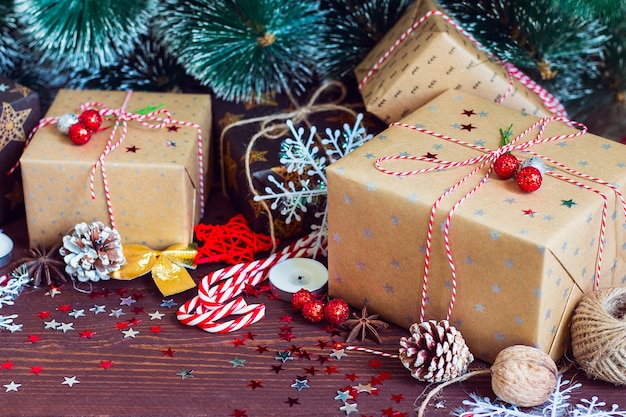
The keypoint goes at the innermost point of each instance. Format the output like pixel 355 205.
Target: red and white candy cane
pixel 548 99
pixel 219 291
pixel 482 160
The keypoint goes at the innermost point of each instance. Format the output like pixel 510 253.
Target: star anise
pixel 45 265
pixel 363 325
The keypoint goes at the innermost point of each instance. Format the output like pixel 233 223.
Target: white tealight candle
pixel 291 275
pixel 6 248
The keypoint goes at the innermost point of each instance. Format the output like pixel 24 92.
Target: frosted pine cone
pixel 435 351
pixel 92 252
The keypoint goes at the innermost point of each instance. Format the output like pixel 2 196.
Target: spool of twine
pixel 598 332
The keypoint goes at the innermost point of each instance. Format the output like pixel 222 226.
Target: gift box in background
pixel 434 57
pixel 153 175
pixel 239 124
pixel 19 113
pixel 522 260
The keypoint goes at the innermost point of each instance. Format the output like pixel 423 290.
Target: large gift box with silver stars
pixel 19 113
pixel 433 226
pixel 154 176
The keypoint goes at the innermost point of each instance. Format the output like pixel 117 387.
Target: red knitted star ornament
pixel 232 243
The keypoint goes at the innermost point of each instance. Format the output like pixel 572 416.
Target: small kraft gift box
pixel 426 53
pixel 19 114
pixel 420 228
pixel 146 178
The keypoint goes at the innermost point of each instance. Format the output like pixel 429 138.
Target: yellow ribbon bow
pixel 168 267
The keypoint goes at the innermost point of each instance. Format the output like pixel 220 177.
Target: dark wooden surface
pixel 144 380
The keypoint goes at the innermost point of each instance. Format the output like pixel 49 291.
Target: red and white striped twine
pixel 375 352
pixel 551 102
pixel 219 291
pixel 481 161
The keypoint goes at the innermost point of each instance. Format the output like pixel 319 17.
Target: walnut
pixel 523 376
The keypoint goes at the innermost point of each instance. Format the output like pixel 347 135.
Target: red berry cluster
pixel 336 311
pixel 81 128
pixel 528 174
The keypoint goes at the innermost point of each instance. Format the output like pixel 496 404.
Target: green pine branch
pixel 9 49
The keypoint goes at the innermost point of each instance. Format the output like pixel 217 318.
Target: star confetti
pixel 12 386
pixel 292 401
pixel 168 303
pixel 7 365
pixel 300 384
pixel 97 309
pixel 529 213
pixel 54 291
pixel 349 408
pixel 130 333
pixel 33 338
pixel 469 113
pixel 261 348
pixel 343 396
pixel 65 327
pixel 232 243
pixel 568 203
pixel 106 364
pixel 168 352
pixel 184 373
pixel 338 354
pixel 239 413
pixel 132 149
pixel 284 356
pixel 44 314
pixel 36 369
pixel 117 313
pixel 237 362
pixel 70 381
pixel 155 329
pixel 77 313
pixel 156 315
pixel 467 127
pixel 255 383
pixel 52 324
pixel 127 301
pixel 86 334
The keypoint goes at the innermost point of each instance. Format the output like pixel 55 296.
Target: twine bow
pixel 487 159
pixel 168 267
pixel 274 126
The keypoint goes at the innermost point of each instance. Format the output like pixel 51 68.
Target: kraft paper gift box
pixel 522 260
pixel 19 113
pixel 153 175
pixel 434 57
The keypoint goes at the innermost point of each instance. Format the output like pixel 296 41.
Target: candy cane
pixel 212 304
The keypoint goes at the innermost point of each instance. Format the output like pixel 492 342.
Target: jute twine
pixel 598 332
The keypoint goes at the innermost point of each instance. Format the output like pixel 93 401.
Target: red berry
pixel 529 179
pixel 336 311
pixel 79 134
pixel 299 299
pixel 313 310
pixel 506 165
pixel 91 119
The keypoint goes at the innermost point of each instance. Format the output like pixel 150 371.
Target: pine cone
pixel 435 351
pixel 92 252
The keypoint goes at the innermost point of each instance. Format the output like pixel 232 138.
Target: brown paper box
pixel 433 58
pixel 523 260
pixel 153 175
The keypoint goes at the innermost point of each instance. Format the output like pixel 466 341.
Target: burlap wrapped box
pixel 153 175
pixel 400 74
pixel 19 113
pixel 522 260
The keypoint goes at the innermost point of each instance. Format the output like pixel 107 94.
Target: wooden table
pixel 120 351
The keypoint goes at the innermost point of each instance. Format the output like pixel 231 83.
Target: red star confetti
pixel 375 380
pixel 322 344
pixel 137 310
pixel 331 369
pixel 33 338
pixel 86 334
pixel 44 314
pixel 106 364
pixel 384 375
pixel 64 308
pixel 310 370
pixel 430 155
pixel 397 397
pixel 276 368
pixel 137 296
pixel 238 342
pixel 352 377
pixel 374 363
pixel 468 113
pixel 255 383
pixel 292 401
pixel 168 352
pixel 249 336
pixel 132 149
pixel 303 354
pixel 173 128
pixel 7 365
pixel 239 413
pixel 232 243
pixel 261 348
pixel 529 213
pixel 468 127
pixel 285 319
pixel 121 325
pixel 155 329
pixel 36 369
pixel 322 359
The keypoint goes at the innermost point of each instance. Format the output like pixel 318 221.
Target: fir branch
pixel 83 33
pixel 357 26
pixel 245 49
pixel 9 50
